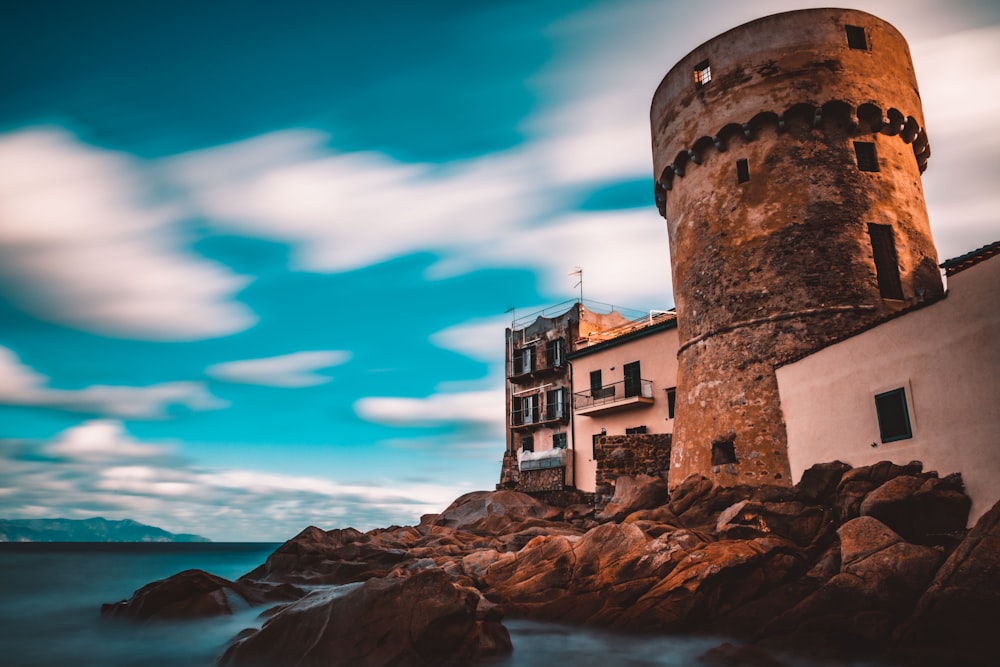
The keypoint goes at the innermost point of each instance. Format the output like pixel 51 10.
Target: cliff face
pixel 865 563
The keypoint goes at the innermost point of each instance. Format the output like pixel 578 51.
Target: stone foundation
pixel 617 455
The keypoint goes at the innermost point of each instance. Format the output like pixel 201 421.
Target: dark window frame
pixel 856 37
pixel 636 430
pixel 633 379
pixel 893 415
pixel 671 402
pixel 528 443
pixel 883 240
pixel 742 170
pixel 560 441
pixel 866 155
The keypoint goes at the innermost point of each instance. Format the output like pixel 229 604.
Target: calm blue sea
pixel 51 595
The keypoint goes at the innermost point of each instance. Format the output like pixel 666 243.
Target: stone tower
pixel 787 153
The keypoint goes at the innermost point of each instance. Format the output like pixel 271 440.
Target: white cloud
pixel 81 245
pixel 22 385
pixel 99 469
pixel 479 407
pixel 482 340
pixel 290 370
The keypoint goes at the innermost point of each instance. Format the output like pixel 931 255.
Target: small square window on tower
pixel 702 73
pixel 893 417
pixel 867 158
pixel 856 38
pixel 742 171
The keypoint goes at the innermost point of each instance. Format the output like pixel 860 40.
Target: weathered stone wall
pixel 617 455
pixel 509 472
pixel 545 479
pixel 771 268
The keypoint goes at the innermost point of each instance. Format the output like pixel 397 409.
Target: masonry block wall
pixel 788 154
pixel 617 455
pixel 545 479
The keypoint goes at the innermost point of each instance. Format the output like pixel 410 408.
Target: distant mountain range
pixel 87 530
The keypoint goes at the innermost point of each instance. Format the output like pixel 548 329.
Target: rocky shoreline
pixel 863 563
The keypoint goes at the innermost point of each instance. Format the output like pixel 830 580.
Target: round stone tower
pixel 787 154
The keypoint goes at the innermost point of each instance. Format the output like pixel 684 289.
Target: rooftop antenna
pixel 578 271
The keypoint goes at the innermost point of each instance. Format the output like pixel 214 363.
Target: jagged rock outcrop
pixel 421 620
pixel 196 594
pixel 833 566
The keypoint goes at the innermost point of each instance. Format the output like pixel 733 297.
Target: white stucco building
pixel 921 386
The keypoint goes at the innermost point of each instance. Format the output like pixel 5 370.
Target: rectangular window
pixel 867 158
pixel 554 353
pixel 633 380
pixel 524 360
pixel 555 404
pixel 635 430
pixel 856 37
pixel 702 73
pixel 886 262
pixel 594 440
pixel 559 441
pixel 595 384
pixel 671 401
pixel 528 443
pixel 723 452
pixel 515 411
pixel 529 409
pixel 893 417
pixel 742 171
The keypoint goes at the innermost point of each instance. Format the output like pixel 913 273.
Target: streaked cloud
pixel 471 407
pixel 22 385
pixel 297 369
pixel 83 244
pixel 99 470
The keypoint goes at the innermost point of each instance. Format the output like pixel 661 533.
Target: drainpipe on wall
pixel 572 427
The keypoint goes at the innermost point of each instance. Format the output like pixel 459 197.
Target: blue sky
pixel 256 257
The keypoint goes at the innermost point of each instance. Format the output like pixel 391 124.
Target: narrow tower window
pixel 893 417
pixel 867 158
pixel 886 263
pixel 702 73
pixel 856 37
pixel 671 402
pixel 742 171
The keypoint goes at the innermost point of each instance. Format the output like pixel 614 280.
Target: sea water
pixel 51 596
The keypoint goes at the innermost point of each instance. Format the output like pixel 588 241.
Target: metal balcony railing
pixel 616 392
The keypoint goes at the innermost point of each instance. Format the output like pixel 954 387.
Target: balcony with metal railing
pixel 553 414
pixel 615 396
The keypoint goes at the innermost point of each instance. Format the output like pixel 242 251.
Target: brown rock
pixel 711 581
pixel 920 509
pixel 955 618
pixel 494 512
pixel 819 482
pixel 802 524
pixel 422 620
pixel 853 613
pixel 632 494
pixel 186 595
pixel 857 483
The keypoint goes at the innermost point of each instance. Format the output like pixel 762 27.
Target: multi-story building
pixel 546 400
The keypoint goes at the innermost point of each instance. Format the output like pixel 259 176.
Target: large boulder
pixel 857 483
pixel 819 482
pixel 955 618
pixel 710 581
pixel 416 621
pixel 194 594
pixel 633 494
pixel 318 557
pixel 494 512
pixel 922 508
pixel 802 524
pixel 853 613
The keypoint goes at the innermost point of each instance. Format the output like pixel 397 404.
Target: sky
pixel 256 258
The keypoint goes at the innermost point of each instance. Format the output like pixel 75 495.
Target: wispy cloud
pixel 22 385
pixel 471 407
pixel 289 370
pixel 96 468
pixel 83 245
